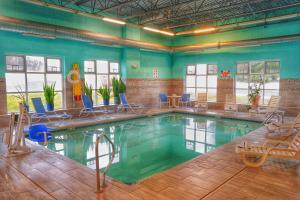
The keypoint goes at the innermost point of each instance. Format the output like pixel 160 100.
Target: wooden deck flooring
pixel 216 175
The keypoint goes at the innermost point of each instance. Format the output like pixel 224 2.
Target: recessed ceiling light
pixel 113 21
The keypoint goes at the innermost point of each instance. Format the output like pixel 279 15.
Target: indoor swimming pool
pixel 148 145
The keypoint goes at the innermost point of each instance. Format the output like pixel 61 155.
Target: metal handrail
pixel 99 185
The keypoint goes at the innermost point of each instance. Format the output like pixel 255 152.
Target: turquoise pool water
pixel 149 145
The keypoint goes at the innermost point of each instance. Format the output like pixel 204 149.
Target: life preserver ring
pixel 73 73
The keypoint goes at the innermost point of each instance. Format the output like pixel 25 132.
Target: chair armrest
pixel 276 142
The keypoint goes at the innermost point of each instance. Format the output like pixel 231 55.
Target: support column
pixel 3 99
pixel 224 87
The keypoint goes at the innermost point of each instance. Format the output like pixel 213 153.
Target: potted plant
pixel 122 86
pixel 21 97
pixel 105 93
pixel 88 91
pixel 49 94
pixel 115 90
pixel 254 94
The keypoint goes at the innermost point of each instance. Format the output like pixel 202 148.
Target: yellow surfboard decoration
pixel 76 82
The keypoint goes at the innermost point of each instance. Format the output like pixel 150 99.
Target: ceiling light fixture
pixel 205 30
pixel 158 31
pixel 115 21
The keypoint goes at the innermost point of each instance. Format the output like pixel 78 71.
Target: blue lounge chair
pixel 40 112
pixel 88 107
pixel 185 99
pixel 39 133
pixel 163 99
pixel 125 105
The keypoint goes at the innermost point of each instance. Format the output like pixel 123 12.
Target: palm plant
pixel 254 92
pixel 49 94
pixel 122 86
pixel 116 90
pixel 21 95
pixel 105 93
pixel 115 87
pixel 88 91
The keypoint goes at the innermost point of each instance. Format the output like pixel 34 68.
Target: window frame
pixel 25 72
pixel 96 73
pixel 263 75
pixel 206 88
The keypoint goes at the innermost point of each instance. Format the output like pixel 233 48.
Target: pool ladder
pixel 98 139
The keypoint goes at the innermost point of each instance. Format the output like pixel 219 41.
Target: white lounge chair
pixel 201 103
pixel 255 156
pixel 230 103
pixel 284 129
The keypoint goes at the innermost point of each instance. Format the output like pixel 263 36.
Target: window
pixel 202 78
pixel 248 73
pixel 28 74
pixel 100 73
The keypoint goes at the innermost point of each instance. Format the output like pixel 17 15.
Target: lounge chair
pixel 201 103
pixel 230 103
pixel 88 107
pixel 126 106
pixel 284 129
pixel 255 156
pixel 185 99
pixel 271 110
pixel 272 105
pixel 40 112
pixel 164 100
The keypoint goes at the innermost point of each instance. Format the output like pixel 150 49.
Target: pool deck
pixel 216 175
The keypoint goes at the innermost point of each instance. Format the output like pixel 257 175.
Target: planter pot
pixel 117 100
pixel 50 107
pixel 106 102
pixel 255 102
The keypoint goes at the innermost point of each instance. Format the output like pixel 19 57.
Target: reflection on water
pixel 149 145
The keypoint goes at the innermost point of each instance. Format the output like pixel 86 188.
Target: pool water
pixel 149 145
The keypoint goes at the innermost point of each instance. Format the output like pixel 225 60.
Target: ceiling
pixel 172 14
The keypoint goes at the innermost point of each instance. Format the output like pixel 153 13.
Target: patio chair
pixel 40 112
pixel 185 99
pixel 272 105
pixel 126 106
pixel 271 110
pixel 230 103
pixel 201 102
pixel 88 107
pixel 164 100
pixel 255 156
pixel 284 129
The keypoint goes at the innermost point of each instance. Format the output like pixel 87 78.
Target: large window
pixel 28 74
pixel 100 73
pixel 202 78
pixel 249 73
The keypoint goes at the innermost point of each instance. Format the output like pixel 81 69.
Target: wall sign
pixel 225 74
pixel 155 72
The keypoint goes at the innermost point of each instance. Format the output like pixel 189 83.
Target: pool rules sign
pixel 155 73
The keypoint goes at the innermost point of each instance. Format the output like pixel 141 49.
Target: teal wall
pixel 279 29
pixel 140 63
pixel 226 59
pixel 169 65
pixel 69 51
pixel 27 11
pixel 76 52
pixel 72 52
